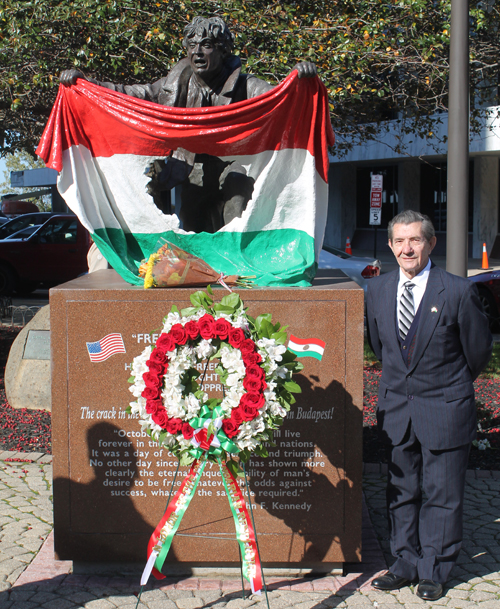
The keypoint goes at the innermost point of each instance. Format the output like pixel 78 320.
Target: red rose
pixel 192 330
pixel 237 415
pixel 157 356
pixel 187 430
pixel 152 380
pixel 253 399
pixel 252 384
pixel 165 343
pixel 251 358
pixel 206 325
pixel 161 418
pixel 247 346
pixel 236 337
pixel 151 393
pixel 249 412
pixel 174 426
pixel 153 406
pixel 255 372
pixel 178 334
pixel 221 329
pixel 230 428
pixel 155 368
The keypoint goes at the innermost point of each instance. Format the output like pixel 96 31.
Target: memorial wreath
pixel 255 370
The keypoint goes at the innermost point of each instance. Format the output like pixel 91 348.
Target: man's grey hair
pixel 213 28
pixel 409 217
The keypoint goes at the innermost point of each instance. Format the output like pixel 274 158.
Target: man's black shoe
pixel 429 590
pixel 389 581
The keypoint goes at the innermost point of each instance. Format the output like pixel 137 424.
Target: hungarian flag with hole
pixel 103 144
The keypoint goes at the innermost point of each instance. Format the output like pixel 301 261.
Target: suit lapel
pixel 391 295
pixel 431 307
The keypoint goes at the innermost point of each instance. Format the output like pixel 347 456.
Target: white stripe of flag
pixel 306 347
pixel 106 347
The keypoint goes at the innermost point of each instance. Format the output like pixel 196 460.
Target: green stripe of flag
pixel 283 257
pixel 306 353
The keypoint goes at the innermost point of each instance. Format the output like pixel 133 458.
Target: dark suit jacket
pixel 453 344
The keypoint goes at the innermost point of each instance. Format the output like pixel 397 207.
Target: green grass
pixel 368 355
pixel 492 370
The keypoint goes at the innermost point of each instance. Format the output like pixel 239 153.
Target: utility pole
pixel 458 141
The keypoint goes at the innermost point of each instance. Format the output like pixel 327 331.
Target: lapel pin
pixel 434 310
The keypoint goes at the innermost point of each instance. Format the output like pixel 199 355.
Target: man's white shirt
pixel 420 283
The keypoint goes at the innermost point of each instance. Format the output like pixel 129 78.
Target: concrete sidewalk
pixel 30 578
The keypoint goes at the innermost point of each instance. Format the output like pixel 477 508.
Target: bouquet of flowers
pixel 171 267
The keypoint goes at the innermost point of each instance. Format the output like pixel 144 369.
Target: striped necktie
pixel 406 309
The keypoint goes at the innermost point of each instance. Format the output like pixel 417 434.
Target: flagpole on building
pixel 458 141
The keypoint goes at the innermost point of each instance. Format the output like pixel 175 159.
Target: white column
pixel 485 218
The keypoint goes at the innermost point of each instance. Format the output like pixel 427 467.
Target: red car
pixel 488 285
pixel 56 252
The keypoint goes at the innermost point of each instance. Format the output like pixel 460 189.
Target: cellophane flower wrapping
pixel 170 266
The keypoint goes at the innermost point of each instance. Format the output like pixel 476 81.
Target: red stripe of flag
pixel 108 123
pixel 308 341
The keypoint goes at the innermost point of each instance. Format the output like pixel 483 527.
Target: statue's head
pixel 208 42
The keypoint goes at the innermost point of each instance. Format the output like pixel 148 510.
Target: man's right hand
pixel 68 77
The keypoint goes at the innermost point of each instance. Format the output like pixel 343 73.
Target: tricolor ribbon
pixel 245 533
pixel 223 283
pixel 208 434
pixel 208 439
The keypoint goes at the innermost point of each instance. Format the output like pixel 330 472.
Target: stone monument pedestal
pixel 111 481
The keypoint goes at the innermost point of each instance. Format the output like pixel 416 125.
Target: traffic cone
pixel 348 249
pixel 485 264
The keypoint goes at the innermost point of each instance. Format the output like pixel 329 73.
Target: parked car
pixel 358 268
pixel 24 233
pixel 3 218
pixel 16 224
pixel 56 252
pixel 488 286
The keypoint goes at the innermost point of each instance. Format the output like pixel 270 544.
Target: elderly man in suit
pixel 428 329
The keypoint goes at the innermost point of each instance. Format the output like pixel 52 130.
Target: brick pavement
pixel 30 578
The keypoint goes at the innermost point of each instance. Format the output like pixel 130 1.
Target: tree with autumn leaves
pixel 379 59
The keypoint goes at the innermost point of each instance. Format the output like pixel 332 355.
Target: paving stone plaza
pixel 30 578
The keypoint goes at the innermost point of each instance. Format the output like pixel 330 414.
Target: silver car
pixel 359 269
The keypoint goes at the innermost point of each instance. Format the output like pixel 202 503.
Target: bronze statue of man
pixel 213 191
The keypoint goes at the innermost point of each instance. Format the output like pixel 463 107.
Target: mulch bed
pixel 30 430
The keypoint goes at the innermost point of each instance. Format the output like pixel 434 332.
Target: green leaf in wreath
pixel 292 386
pixel 222 308
pixel 189 311
pixel 128 410
pixel 244 455
pixel 260 451
pixel 209 290
pixel 266 328
pixel 131 379
pixel 287 357
pixel 235 468
pixel 233 301
pixel 185 459
pixel 265 317
pixel 280 337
